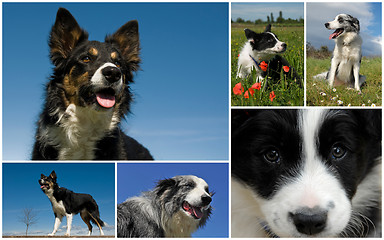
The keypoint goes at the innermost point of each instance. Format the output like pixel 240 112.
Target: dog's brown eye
pixel 338 151
pixel 86 59
pixel 117 63
pixel 272 155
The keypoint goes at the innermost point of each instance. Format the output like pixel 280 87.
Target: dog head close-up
pixel 306 173
pixel 92 74
pixel 48 184
pixel 342 24
pixel 187 195
pixel 265 41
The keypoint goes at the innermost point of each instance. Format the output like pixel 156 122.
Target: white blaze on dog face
pixel 194 197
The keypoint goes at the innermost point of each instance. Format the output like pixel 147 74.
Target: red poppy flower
pixel 256 86
pixel 238 89
pixel 246 94
pixel 251 91
pixel 263 66
pixel 286 68
pixel 272 96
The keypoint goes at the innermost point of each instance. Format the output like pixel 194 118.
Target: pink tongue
pixel 198 212
pixel 105 100
pixel 332 35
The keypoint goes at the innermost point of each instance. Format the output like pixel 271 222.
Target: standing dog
pixel 67 203
pixel 261 53
pixel 345 64
pixel 88 95
pixel 306 173
pixel 177 207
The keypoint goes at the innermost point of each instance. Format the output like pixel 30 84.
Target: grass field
pixel 286 91
pixel 320 94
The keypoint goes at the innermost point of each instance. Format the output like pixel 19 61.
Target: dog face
pixel 89 73
pixel 265 42
pixel 303 168
pixel 342 24
pixel 188 194
pixel 47 184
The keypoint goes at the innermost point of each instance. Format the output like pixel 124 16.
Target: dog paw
pixel 67 234
pixel 51 234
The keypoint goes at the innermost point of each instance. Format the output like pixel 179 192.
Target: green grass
pixel 288 93
pixel 320 94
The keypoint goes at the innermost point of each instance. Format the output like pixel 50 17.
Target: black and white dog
pixel 67 203
pixel 88 95
pixel 176 207
pixel 345 63
pixel 306 173
pixel 261 53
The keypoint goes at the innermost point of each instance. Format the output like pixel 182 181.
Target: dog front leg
pixel 356 70
pixel 57 225
pixel 69 224
pixel 332 71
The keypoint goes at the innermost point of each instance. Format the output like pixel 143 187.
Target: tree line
pixel 270 19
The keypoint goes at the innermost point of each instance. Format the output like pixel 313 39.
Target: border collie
pixel 88 95
pixel 306 173
pixel 260 53
pixel 346 60
pixel 67 203
pixel 177 207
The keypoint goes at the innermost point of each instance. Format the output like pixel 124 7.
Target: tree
pixel 280 19
pixel 240 20
pixel 272 20
pixel 28 217
pixel 268 20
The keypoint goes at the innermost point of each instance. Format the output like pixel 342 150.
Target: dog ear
pixel 356 24
pixel 249 34
pixel 65 35
pixel 42 176
pixel 127 40
pixel 268 28
pixel 164 185
pixel 53 175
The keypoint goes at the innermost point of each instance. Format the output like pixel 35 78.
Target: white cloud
pixel 320 13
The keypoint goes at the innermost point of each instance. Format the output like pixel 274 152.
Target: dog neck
pixel 78 130
pixel 179 225
pixel 349 38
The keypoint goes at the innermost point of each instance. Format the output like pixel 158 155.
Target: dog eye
pixel 338 151
pixel 272 155
pixel 118 64
pixel 86 59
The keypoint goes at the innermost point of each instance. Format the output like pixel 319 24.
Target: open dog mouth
pixel 106 98
pixel 196 212
pixel 44 186
pixel 336 33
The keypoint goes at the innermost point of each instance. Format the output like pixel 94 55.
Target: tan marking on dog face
pixel 71 86
pixel 114 55
pixel 93 51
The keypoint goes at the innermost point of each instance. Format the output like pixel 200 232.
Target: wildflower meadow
pixel 320 94
pixel 285 92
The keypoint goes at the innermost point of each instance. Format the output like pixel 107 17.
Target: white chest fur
pixel 57 206
pixel 78 131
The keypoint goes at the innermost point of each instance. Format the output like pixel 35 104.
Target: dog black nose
pixel 326 25
pixel 112 74
pixel 309 222
pixel 206 200
pixel 284 45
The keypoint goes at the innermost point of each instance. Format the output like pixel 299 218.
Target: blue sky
pixel 181 106
pixel 368 13
pixel 134 178
pixel 22 190
pixel 254 11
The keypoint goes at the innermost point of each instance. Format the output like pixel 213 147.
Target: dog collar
pixel 257 64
